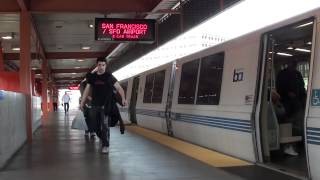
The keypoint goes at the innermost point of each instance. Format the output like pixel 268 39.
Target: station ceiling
pixel 62 26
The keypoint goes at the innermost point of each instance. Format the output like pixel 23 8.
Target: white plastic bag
pixel 79 122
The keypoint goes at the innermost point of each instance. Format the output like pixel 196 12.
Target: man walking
pixel 101 83
pixel 66 100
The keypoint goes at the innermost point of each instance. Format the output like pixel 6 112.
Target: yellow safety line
pixel 207 156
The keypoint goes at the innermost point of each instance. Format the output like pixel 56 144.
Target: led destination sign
pixel 140 30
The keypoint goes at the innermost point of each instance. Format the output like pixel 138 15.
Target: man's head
pixel 101 65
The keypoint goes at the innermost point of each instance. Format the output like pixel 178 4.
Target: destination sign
pixel 139 30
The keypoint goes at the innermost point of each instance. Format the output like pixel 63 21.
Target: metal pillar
pixel 1 58
pixel 44 91
pixel 25 71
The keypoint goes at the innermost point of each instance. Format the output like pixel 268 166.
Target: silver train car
pixel 234 98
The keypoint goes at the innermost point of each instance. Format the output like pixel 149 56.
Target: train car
pixel 256 97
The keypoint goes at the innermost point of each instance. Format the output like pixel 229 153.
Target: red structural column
pixel 1 58
pixel 25 71
pixel 44 91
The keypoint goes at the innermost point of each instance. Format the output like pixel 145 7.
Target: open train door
pixel 283 95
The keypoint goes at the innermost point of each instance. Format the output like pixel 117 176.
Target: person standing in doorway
pixel 101 83
pixel 66 101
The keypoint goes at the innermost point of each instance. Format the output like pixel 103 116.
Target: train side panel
pixel 225 127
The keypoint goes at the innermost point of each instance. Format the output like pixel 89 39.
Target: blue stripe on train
pixel 313 135
pixel 225 123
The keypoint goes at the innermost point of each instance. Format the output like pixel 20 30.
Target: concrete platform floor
pixel 58 152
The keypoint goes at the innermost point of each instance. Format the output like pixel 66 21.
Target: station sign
pixel 74 87
pixel 125 30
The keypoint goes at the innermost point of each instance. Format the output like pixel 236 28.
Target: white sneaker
pixel 289 150
pixel 105 150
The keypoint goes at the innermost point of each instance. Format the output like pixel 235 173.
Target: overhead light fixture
pixel 305 24
pixel 90 24
pixel 34 68
pixel 270 52
pixel 7 36
pixel 290 47
pixel 302 50
pixel 309 43
pixel 73 73
pixel 80 60
pixel 15 48
pixel 85 47
pixel 284 54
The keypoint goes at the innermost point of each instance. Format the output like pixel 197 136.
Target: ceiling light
pixel 77 67
pixel 34 68
pixel 305 24
pixel 15 49
pixel 91 26
pixel 73 73
pixel 309 43
pixel 284 54
pixel 270 52
pixel 85 47
pixel 6 37
pixel 80 60
pixel 290 47
pixel 302 50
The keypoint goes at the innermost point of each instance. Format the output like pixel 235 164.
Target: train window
pixel 148 88
pixel 158 86
pixel 210 79
pixel 189 73
pixel 154 87
pixel 124 86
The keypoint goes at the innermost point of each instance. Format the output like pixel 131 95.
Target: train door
pixel 170 98
pixel 281 108
pixel 133 100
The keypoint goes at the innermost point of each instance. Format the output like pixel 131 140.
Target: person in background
pixel 55 103
pixel 66 100
pixel 87 108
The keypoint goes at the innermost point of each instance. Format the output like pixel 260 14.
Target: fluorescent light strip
pixel 302 50
pixel 222 27
pixel 284 54
pixel 305 24
pixel 6 37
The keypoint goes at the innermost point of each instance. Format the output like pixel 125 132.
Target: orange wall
pixel 9 81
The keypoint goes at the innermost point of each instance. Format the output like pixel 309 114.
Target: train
pixel 222 97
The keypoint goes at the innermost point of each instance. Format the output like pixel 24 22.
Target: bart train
pixel 227 97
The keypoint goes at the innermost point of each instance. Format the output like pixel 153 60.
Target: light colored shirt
pixel 66 98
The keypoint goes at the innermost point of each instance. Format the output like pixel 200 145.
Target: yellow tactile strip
pixel 202 154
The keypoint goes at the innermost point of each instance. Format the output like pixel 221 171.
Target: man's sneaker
pixel 289 150
pixel 105 150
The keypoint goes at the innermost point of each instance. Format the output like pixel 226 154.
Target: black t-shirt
pixel 101 88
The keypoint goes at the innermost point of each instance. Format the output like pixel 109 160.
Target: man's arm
pixel 85 95
pixel 121 92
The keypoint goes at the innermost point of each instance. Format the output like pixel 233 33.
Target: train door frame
pixel 133 99
pixel 257 137
pixel 170 99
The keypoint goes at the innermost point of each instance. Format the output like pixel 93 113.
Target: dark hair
pixel 101 59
